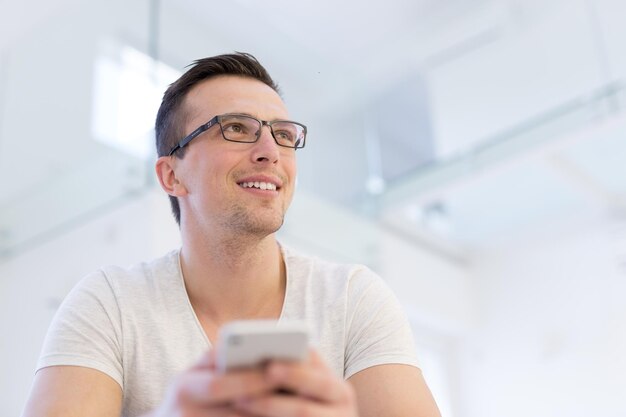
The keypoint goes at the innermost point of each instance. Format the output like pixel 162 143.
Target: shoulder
pixel 167 264
pixel 157 272
pixel 299 262
pixel 117 287
pixel 351 278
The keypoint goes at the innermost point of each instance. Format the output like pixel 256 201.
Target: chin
pixel 265 228
pixel 258 224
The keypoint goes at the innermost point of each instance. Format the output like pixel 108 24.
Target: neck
pixel 234 277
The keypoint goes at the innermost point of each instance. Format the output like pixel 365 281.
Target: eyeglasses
pixel 246 129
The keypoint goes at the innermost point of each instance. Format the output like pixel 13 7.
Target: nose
pixel 266 149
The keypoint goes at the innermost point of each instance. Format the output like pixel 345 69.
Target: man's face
pixel 218 174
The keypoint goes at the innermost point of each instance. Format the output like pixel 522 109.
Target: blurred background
pixel 473 152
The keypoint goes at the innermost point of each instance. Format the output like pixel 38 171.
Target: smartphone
pixel 249 343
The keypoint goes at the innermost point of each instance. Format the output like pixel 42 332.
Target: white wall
pixel 551 338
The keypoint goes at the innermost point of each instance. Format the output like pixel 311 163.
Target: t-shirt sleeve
pixel 377 329
pixel 86 330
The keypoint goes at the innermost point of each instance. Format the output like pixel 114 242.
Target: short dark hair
pixel 171 117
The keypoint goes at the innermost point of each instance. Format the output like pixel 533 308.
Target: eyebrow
pixel 256 117
pixel 245 114
pixel 241 114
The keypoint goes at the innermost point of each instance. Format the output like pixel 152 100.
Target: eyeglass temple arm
pixel 185 141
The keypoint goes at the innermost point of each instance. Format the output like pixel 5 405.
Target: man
pixel 139 341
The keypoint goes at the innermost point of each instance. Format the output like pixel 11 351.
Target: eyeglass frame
pixel 217 120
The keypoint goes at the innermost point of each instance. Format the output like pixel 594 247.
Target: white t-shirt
pixel 137 324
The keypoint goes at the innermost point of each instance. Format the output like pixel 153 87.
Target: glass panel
pixel 79 96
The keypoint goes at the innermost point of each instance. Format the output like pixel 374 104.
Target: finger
pixel 204 388
pixel 219 411
pixel 309 381
pixel 283 406
pixel 316 359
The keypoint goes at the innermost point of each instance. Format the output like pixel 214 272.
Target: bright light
pixel 128 87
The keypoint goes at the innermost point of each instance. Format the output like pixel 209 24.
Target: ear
pixel 166 173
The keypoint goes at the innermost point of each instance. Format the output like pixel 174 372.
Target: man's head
pixel 227 148
pixel 172 115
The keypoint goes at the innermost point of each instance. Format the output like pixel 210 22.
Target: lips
pixel 261 182
pixel 260 185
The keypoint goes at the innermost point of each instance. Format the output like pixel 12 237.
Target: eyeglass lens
pixel 245 129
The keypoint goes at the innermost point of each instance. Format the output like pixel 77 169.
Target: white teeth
pixel 260 185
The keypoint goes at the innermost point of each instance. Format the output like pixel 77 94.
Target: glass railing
pixel 69 146
pixel 565 163
pixel 601 105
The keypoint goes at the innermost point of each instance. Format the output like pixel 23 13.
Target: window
pixel 128 87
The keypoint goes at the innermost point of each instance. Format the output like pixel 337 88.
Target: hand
pixel 203 392
pixel 316 392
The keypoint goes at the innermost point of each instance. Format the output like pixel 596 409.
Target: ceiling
pixel 464 123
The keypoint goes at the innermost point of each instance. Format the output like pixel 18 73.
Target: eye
pixel 284 135
pixel 234 128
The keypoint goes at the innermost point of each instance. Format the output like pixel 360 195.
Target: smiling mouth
pixel 259 185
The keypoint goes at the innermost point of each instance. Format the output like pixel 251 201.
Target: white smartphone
pixel 249 343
